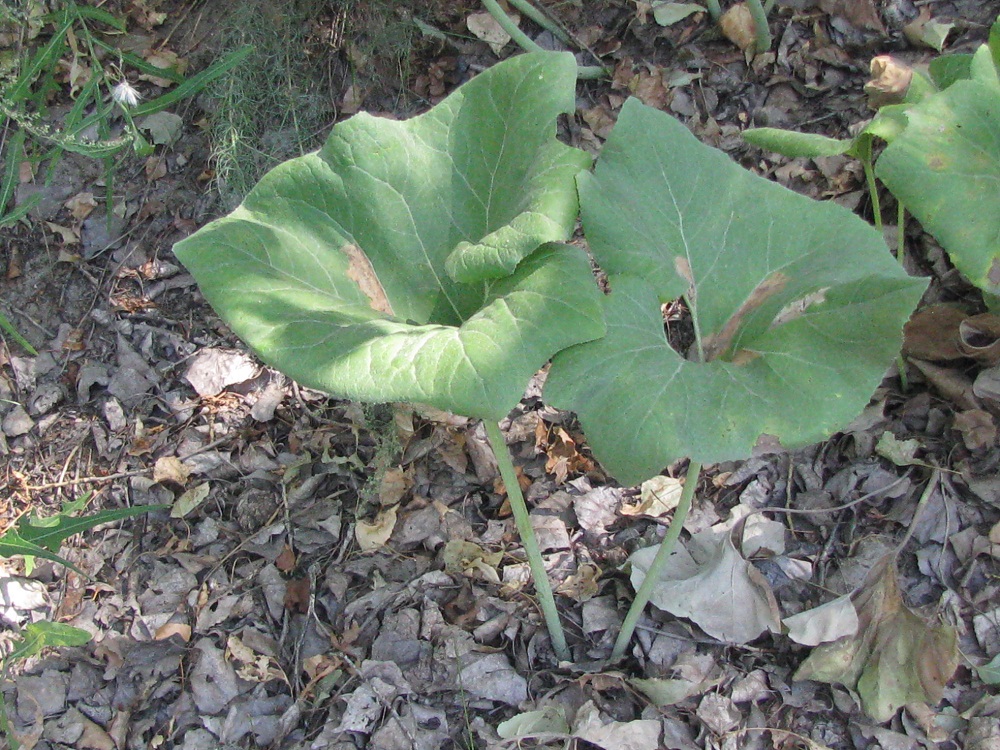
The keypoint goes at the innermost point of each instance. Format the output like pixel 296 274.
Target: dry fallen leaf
pixel 658 496
pixel 927 32
pixel 737 26
pixel 723 593
pixel 484 26
pixel 979 338
pixel 171 469
pixel 81 204
pixel 823 624
pixel 373 535
pixel 895 658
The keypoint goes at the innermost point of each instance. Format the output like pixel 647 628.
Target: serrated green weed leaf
pixel 37 636
pixel 797 308
pixel 402 261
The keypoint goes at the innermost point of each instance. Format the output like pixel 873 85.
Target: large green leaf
pixel 401 262
pixel 945 168
pixel 797 306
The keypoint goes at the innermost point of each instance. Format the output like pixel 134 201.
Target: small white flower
pixel 125 95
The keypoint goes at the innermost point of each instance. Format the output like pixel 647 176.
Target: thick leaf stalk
pixel 520 509
pixel 659 562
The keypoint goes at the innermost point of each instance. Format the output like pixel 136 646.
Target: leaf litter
pixel 253 616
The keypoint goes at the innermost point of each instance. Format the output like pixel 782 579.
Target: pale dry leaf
pixel 394 484
pixel 169 629
pixel 485 27
pixel 890 81
pixel 667 14
pixel 640 734
pixel 374 534
pixel 668 692
pixel 823 624
pixel 895 658
pixel 718 713
pixel 212 370
pixel 979 338
pixel 926 31
pixel 81 204
pixel 170 469
pixel 658 496
pixel 190 500
pixel 723 593
pixel 69 236
pixel 978 429
pixel 548 720
pixel 582 585
pixel 900 452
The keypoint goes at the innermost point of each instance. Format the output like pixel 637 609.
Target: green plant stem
pixel 714 10
pixel 900 232
pixel 656 567
pixel 528 44
pixel 761 29
pixel 769 6
pixel 541 19
pixel 873 192
pixel 543 588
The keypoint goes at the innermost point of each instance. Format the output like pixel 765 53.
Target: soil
pixel 245 614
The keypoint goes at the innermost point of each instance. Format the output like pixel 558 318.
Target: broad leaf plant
pixel 423 261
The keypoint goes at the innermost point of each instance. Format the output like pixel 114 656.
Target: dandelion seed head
pixel 125 94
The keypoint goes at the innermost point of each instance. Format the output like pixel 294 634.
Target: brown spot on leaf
pixel 714 346
pixel 361 272
pixel 683 269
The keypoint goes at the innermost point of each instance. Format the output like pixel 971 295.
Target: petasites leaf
pixel 796 306
pixel 945 168
pixel 406 261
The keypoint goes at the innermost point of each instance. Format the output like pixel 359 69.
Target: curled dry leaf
pixel 889 82
pixel 894 658
pixel 979 338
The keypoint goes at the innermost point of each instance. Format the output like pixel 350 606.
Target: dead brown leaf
pixel 978 429
pixel 895 658
pixel 737 26
pixel 861 14
pixel 933 333
pixel 297 592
